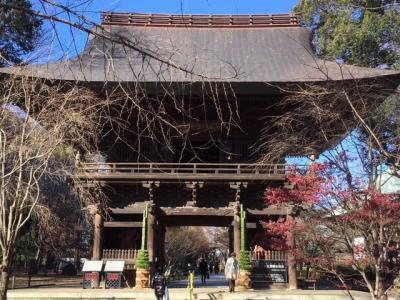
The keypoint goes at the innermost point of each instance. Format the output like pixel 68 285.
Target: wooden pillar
pixel 236 230
pixel 237 186
pixel 98 236
pixel 160 260
pixel 230 234
pixel 151 226
pixel 151 219
pixel 291 260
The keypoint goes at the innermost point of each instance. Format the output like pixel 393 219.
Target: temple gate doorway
pixel 185 246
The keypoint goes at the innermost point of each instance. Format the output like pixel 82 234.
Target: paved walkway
pixel 214 281
pixel 215 289
pixel 206 293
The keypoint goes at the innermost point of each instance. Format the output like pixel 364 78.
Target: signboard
pixel 113 276
pixel 92 266
pixel 114 266
pixel 91 276
pixel 91 280
pixel 269 271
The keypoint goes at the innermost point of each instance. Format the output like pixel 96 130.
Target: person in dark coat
pixel 211 268
pixel 203 270
pixel 159 284
pixel 216 268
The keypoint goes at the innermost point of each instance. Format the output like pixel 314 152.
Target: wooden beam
pixel 271 210
pixel 212 221
pixel 255 225
pixel 122 224
pixel 205 211
pixel 136 210
pixel 197 211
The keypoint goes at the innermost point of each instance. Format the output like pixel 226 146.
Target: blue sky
pixel 67 42
pixel 197 6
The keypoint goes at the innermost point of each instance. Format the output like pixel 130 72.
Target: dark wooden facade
pixel 215 79
pixel 202 177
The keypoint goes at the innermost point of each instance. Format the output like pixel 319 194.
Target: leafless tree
pixel 317 117
pixel 184 245
pixel 38 124
pixel 162 118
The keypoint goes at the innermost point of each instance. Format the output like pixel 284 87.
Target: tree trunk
pixel 5 275
pixel 380 288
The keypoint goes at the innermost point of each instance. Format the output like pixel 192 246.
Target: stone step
pixel 179 294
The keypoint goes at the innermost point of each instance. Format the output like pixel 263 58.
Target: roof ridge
pixel 201 20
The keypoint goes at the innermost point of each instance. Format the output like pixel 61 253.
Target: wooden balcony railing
pixel 129 255
pixel 270 255
pixel 182 171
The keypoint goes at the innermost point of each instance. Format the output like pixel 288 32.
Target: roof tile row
pixel 133 19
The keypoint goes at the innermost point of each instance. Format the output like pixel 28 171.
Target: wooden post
pixel 160 244
pixel 291 260
pixel 242 228
pixel 143 244
pixel 237 186
pixel 150 233
pixel 97 238
pixel 230 233
pixel 236 230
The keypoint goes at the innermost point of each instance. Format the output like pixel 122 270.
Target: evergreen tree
pixel 364 33
pixel 19 30
pixel 360 32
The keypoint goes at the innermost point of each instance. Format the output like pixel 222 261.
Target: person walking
pixel 231 271
pixel 216 268
pixel 203 270
pixel 211 267
pixel 159 284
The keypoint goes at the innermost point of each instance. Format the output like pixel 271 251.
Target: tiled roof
pixel 242 54
pixel 132 19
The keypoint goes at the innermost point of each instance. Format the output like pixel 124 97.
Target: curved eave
pixel 77 72
pixel 236 55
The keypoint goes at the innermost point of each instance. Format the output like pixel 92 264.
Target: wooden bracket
pixel 151 185
pixel 238 186
pixel 194 185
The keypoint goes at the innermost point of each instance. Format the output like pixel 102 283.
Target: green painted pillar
pixel 242 228
pixel 144 229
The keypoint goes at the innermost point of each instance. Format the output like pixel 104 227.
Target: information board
pixel 92 266
pixel 269 271
pixel 114 266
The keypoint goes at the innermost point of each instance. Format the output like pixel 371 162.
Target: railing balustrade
pixel 183 168
pixel 269 255
pixel 128 255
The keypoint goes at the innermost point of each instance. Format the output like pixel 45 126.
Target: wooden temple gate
pixel 246 64
pixel 185 195
pixel 220 82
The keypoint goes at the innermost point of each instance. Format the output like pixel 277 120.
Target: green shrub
pixel 245 261
pixel 142 261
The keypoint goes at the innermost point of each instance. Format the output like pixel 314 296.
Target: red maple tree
pixel 344 225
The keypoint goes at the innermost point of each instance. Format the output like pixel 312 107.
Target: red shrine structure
pixel 206 83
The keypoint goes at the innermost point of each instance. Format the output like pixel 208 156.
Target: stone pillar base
pixel 142 278
pixel 244 280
